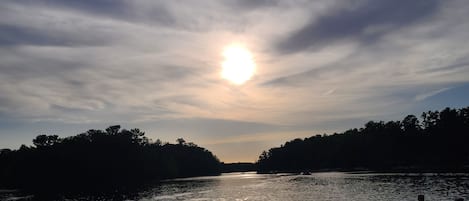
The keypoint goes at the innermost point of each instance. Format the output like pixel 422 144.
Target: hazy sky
pixel 67 66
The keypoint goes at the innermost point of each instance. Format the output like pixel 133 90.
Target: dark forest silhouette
pixel 99 160
pixel 436 142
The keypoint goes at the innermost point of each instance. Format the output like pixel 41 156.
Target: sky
pixel 322 66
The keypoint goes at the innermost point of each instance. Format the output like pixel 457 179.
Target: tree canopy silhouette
pixel 437 141
pixel 100 160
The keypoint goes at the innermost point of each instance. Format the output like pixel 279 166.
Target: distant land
pixel 435 142
pixel 238 167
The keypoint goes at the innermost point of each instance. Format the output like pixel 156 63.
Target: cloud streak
pixel 365 20
pixel 423 96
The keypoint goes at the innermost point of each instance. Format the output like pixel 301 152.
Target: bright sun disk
pixel 238 66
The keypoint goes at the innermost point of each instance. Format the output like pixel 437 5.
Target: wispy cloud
pixel 423 96
pixel 365 20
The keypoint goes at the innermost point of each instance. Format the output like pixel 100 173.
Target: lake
pixel 330 186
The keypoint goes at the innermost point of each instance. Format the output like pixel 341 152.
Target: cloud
pixel 423 96
pixel 93 6
pixel 365 20
pixel 52 27
pixel 299 79
pixel 15 35
pixel 252 4
pixel 152 13
pixel 451 67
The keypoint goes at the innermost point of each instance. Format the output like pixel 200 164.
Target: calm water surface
pixel 318 187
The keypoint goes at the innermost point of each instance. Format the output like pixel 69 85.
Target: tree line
pixel 437 141
pixel 100 160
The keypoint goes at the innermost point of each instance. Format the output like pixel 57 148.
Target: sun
pixel 238 66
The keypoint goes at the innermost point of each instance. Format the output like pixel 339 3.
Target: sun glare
pixel 238 66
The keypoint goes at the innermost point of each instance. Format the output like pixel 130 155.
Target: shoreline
pixel 370 171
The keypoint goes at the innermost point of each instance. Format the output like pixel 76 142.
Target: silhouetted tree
pixel 181 141
pixel 158 142
pixel 411 124
pixel 5 151
pixel 97 160
pixel 439 143
pixel 45 140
